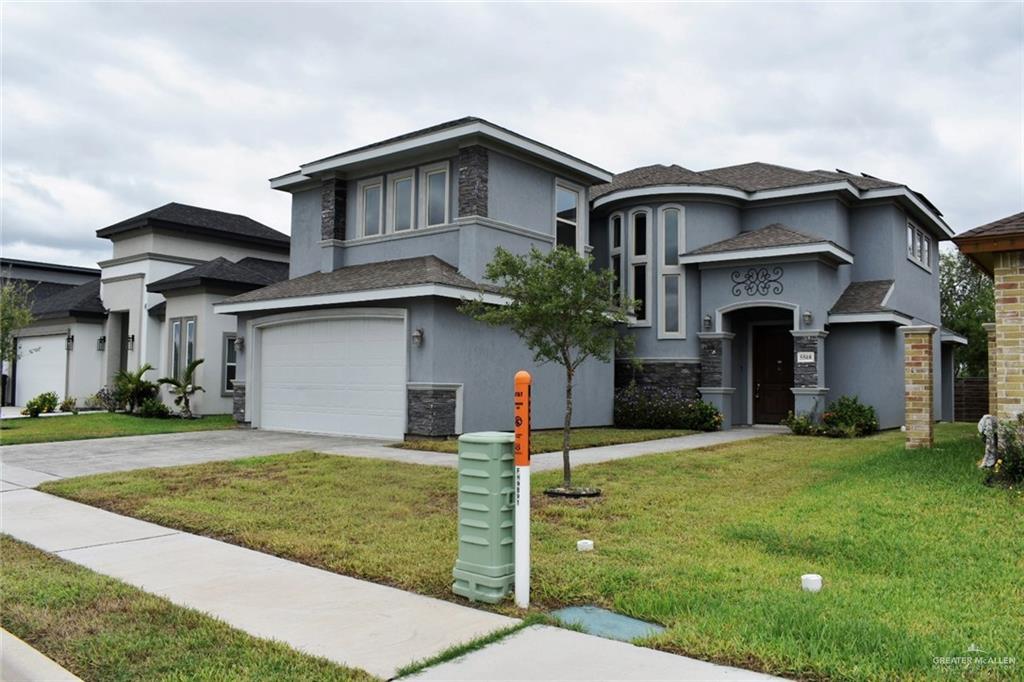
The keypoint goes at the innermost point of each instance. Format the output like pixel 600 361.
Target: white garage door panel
pixel 42 367
pixel 344 376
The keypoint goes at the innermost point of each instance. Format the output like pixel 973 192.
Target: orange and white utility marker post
pixel 521 450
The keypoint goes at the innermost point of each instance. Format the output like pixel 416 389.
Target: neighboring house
pixel 762 289
pixel 153 304
pixel 63 307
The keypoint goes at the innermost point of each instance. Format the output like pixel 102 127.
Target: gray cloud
pixel 112 109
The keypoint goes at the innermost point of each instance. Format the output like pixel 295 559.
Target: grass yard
pixel 101 425
pixel 551 440
pixel 102 629
pixel 920 560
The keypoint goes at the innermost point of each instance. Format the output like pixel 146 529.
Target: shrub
pixel 801 425
pixel 132 390
pixel 1009 466
pixel 654 408
pixel 109 400
pixel 32 407
pixel 848 417
pixel 154 409
pixel 69 404
pixel 48 401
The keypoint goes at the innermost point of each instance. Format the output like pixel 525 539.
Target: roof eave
pixel 826 249
pixel 341 298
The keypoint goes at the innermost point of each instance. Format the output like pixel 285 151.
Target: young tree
pixel 562 309
pixel 132 388
pixel 967 302
pixel 184 387
pixel 15 313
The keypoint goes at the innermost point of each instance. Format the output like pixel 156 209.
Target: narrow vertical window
pixel 639 259
pixel 671 285
pixel 434 194
pixel 919 246
pixel 176 348
pixel 370 207
pixel 230 368
pixel 567 207
pixel 615 237
pixel 401 201
pixel 190 341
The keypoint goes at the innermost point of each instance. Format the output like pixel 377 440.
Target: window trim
pixel 618 250
pixel 582 209
pixel 226 338
pixel 424 173
pixel 182 334
pixel 391 200
pixel 635 260
pixel 361 188
pixel 667 271
pixel 919 241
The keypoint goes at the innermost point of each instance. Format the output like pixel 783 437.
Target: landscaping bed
pixel 102 425
pixel 920 560
pixel 102 629
pixel 550 440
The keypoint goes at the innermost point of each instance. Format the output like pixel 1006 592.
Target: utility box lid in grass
pixel 604 623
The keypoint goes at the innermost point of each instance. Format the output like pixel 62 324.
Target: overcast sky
pixel 110 110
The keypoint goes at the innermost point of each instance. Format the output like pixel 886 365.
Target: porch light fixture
pixel 417 337
pixel 131 342
pixel 101 343
pixel 707 321
pixel 239 344
pixel 69 342
pixel 808 318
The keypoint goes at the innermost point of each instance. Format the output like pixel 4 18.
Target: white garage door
pixel 343 376
pixel 42 365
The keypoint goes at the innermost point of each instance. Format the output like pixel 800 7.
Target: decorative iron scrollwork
pixel 757 281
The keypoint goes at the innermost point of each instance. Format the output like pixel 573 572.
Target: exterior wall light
pixel 101 343
pixel 808 318
pixel 417 337
pixel 69 342
pixel 131 342
pixel 239 344
pixel 707 321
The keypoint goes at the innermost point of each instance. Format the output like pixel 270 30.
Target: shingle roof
pixel 1010 225
pixel 196 219
pixel 252 272
pixel 863 297
pixel 82 300
pixel 383 275
pixel 749 177
pixel 775 234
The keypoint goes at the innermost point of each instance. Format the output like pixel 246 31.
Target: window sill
pixel 920 264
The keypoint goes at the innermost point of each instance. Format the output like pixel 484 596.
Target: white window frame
pixel 919 246
pixel 667 271
pixel 618 250
pixel 228 341
pixel 361 188
pixel 424 173
pixel 635 260
pixel 582 209
pixel 392 199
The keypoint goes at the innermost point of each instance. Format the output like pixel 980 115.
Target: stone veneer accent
pixel 681 375
pixel 993 397
pixel 711 362
pixel 1008 272
pixel 332 209
pixel 805 374
pixel 472 164
pixel 431 411
pixel 919 385
pixel 238 401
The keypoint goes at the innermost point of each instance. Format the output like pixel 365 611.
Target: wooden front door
pixel 773 373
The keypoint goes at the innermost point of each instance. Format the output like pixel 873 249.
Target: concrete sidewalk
pixel 19 662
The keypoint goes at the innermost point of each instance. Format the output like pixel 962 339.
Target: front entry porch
pixel 760 365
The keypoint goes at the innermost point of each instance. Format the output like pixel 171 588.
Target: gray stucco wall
pixel 520 193
pixel 826 218
pixel 947 397
pixel 305 253
pixel 866 360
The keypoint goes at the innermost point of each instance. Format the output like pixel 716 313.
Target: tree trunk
pixel 566 429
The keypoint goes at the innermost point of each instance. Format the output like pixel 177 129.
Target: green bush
pixel 846 417
pixel 1009 466
pixel 69 404
pixel 656 408
pixel 105 398
pixel 154 409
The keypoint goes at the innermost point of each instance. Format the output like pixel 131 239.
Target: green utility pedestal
pixel 484 570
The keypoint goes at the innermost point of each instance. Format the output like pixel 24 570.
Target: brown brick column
pixel 993 397
pixel 1009 377
pixel 919 384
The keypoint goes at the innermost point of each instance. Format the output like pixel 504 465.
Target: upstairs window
pixel 616 238
pixel 401 201
pixel 568 217
pixel 434 194
pixel 370 207
pixel 671 285
pixel 639 264
pixel 919 246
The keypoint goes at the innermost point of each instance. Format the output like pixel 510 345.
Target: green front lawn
pixel 102 629
pixel 920 560
pixel 101 425
pixel 551 440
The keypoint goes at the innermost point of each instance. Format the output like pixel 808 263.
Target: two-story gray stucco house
pixel 762 288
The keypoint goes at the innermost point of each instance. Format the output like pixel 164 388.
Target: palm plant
pixel 184 387
pixel 131 388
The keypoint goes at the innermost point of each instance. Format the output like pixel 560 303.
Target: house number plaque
pixel 805 356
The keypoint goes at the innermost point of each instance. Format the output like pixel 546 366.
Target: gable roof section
pixel 248 273
pixel 651 176
pixel 80 301
pixel 983 242
pixel 775 234
pixel 863 297
pixel 197 220
pixel 1004 227
pixel 772 241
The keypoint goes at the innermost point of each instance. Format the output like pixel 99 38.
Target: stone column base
pixel 720 397
pixel 238 401
pixel 434 410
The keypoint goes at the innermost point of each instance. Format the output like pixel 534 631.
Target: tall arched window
pixel 616 239
pixel 671 278
pixel 640 265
